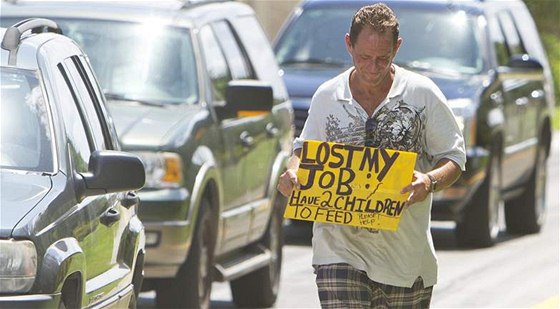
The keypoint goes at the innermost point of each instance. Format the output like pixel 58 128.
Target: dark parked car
pixel 69 233
pixel 487 59
pixel 194 89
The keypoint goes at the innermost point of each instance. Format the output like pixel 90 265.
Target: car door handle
pixel 271 130
pixel 130 199
pixel 246 139
pixel 110 216
pixel 522 101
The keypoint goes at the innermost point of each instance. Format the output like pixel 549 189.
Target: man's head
pixel 378 17
pixel 373 42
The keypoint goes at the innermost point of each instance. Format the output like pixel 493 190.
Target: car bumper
pixel 30 301
pixel 166 218
pixel 448 204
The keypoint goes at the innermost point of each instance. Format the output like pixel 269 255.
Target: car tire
pixel 525 215
pixel 480 224
pixel 192 286
pixel 259 289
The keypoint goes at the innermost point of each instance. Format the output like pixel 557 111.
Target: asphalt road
pixel 518 272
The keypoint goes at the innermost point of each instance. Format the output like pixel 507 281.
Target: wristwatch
pixel 433 183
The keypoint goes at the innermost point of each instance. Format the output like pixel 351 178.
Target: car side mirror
pixel 246 98
pixel 524 62
pixel 112 171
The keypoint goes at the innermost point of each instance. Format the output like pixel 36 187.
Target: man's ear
pixel 397 45
pixel 348 43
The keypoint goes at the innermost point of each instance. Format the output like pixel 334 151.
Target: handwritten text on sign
pixel 351 185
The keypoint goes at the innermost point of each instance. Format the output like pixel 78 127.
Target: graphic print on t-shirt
pixel 397 125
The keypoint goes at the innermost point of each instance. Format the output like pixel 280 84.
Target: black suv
pixel 487 59
pixel 69 233
pixel 195 91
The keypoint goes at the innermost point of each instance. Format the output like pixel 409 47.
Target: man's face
pixel 372 55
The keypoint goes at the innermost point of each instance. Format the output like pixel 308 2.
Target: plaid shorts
pixel 343 286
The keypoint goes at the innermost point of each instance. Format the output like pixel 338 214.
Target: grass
pixel 556 118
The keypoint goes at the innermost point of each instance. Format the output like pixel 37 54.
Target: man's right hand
pixel 288 180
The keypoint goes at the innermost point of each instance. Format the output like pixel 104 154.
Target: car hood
pixel 20 193
pixel 467 86
pixel 144 125
pixel 302 82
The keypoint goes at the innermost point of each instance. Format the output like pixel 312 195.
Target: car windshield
pixel 148 62
pixel 443 41
pixel 25 134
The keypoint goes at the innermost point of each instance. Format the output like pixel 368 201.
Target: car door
pixel 517 83
pixel 235 143
pixel 103 232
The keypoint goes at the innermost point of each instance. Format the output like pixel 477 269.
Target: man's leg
pixel 343 286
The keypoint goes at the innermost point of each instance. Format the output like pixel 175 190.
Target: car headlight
pixel 465 115
pixel 18 265
pixel 163 169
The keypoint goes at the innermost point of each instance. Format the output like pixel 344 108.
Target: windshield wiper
pixel 315 61
pixel 122 97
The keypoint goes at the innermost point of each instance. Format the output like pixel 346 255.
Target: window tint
pixel 216 64
pixel 236 59
pixel 100 103
pixel 85 98
pixel 78 138
pixel 258 49
pixel 513 41
pixel 499 42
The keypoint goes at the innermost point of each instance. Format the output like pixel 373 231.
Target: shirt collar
pixel 397 88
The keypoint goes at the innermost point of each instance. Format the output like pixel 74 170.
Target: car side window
pixel 79 139
pixel 499 42
pixel 235 56
pixel 110 137
pixel 85 99
pixel 266 69
pixel 215 61
pixel 513 40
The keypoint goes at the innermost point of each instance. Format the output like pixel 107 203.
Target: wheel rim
pixel 204 281
pixel 274 246
pixel 495 202
pixel 540 188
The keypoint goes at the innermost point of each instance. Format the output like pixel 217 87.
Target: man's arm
pixel 288 179
pixel 446 172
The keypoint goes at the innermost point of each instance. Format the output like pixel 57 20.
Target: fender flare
pixel 61 259
pixel 280 163
pixel 207 172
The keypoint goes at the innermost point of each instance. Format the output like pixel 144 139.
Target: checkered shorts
pixel 343 286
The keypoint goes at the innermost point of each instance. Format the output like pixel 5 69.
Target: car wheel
pixel 480 224
pixel 525 215
pixel 259 289
pixel 192 286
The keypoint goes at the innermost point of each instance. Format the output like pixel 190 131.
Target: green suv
pixel 195 91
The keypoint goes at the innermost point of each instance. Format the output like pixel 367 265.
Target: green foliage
pixel 546 14
pixel 556 119
pixel 552 45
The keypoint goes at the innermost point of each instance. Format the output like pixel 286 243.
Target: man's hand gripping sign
pixel 351 185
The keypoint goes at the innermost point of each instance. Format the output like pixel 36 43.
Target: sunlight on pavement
pixel 553 302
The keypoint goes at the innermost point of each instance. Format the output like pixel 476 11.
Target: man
pixel 376 103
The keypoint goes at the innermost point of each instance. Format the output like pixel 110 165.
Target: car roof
pixel 475 7
pixel 184 13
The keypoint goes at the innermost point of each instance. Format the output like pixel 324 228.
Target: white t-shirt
pixel 414 117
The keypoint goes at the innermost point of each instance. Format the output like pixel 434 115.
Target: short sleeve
pixel 444 139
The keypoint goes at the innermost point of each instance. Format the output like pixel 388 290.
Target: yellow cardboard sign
pixel 351 185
